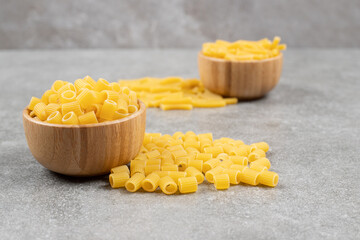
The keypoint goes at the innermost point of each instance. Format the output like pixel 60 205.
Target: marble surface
pixel 310 120
pixel 43 24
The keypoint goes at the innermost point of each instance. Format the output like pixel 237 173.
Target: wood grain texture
pixel 242 79
pixel 85 150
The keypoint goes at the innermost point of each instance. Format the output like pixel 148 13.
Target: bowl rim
pixel 26 115
pixel 240 61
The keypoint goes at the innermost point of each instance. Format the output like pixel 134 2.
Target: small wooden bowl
pixel 242 79
pixel 85 150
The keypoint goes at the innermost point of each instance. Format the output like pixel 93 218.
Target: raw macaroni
pixel 178 162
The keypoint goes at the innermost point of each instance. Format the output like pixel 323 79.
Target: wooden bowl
pixel 85 150
pixel 242 79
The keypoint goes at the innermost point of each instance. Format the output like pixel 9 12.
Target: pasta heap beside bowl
pixel 84 102
pixel 182 161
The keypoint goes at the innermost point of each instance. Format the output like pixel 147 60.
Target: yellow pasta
pixel 120 169
pixel 151 182
pixel 226 163
pixel 211 173
pixel 168 185
pixel 234 175
pixel 70 118
pixel 57 85
pixel 188 184
pixel 260 145
pixel 153 154
pixel 250 176
pixel 134 183
pixel 256 154
pixel 88 118
pixel 85 98
pixel 176 175
pixel 221 181
pixel 45 96
pixel 71 107
pixel 215 151
pixel 194 172
pixel 101 85
pixel 33 102
pixel 177 161
pixel 67 96
pixel 262 161
pixel 182 163
pixel 118 179
pixel 55 118
pixel 210 164
pixel 258 167
pixel 238 167
pixel 52 107
pixel 170 168
pixel 239 160
pixel 269 178
pixel 198 164
pixel 40 111
pixel 108 110
pixel 204 156
pixel 176 106
pixel 153 161
pixel 151 168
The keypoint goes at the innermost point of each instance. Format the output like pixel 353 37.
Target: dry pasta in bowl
pixel 85 102
pixel 243 50
pixel 182 161
pixel 172 93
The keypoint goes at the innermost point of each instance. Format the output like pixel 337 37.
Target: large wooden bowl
pixel 242 79
pixel 85 150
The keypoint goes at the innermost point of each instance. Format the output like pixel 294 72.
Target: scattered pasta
pixel 184 160
pixel 84 102
pixel 242 50
pixel 174 93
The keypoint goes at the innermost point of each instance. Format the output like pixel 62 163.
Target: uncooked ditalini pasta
pixel 90 101
pixel 168 185
pixel 221 181
pixel 211 173
pixel 188 184
pixel 55 118
pixel 250 176
pixel 234 175
pixel 70 118
pixel 151 182
pixel 269 178
pixel 194 172
pixel 120 169
pixel 262 161
pixel 256 154
pixel 174 95
pixel 118 179
pixel 242 50
pixel 181 160
pixel 134 183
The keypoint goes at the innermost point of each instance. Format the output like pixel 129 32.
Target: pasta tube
pixel 134 183
pixel 188 185
pixel 168 185
pixel 221 181
pixel 119 179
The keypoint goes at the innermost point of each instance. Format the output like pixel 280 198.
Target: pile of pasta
pixel 85 102
pixel 244 50
pixel 175 93
pixel 182 161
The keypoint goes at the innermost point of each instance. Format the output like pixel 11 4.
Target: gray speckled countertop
pixel 311 121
